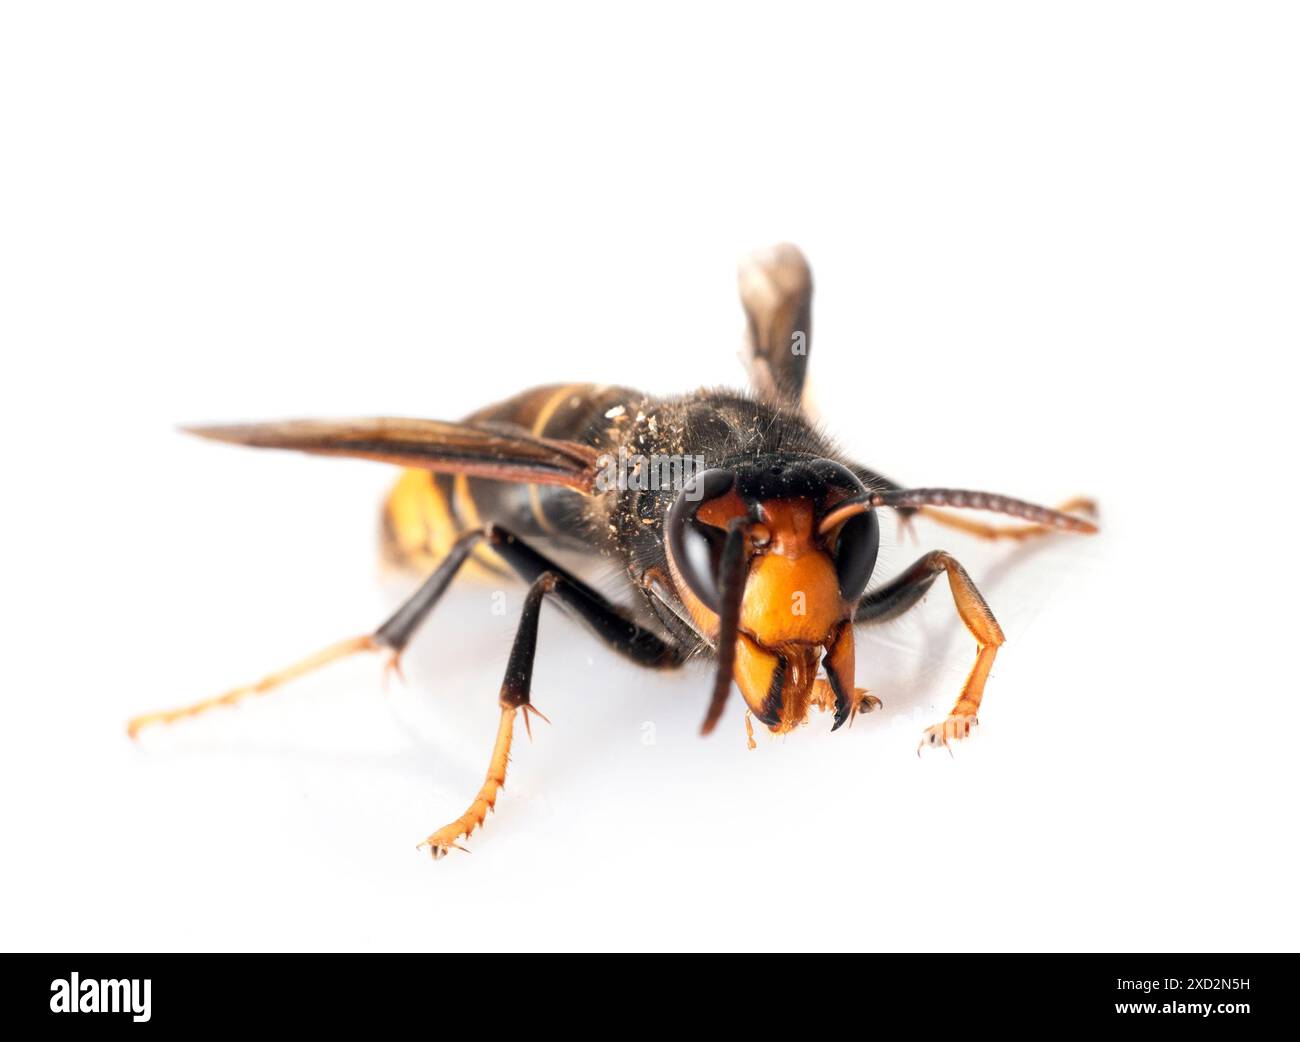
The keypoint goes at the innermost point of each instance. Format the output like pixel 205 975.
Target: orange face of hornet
pixel 804 564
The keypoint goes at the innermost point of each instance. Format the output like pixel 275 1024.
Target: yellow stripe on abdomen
pixel 420 526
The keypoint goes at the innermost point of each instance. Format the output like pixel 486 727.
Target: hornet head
pixel 770 558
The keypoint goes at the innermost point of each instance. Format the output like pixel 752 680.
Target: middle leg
pixel 515 697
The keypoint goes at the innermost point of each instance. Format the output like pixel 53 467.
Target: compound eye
pixel 696 548
pixel 855 553
pixel 701 547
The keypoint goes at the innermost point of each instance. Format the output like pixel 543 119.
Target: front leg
pixel 823 698
pixel 896 596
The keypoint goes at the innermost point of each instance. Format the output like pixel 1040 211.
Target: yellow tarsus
pixel 342 649
pixel 443 840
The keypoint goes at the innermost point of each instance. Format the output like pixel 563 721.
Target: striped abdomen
pixel 426 512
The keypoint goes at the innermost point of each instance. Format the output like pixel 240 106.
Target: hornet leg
pixel 618 632
pixel 901 593
pixel 391 636
pixel 516 692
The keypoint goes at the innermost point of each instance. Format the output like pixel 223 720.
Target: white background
pixel 1056 252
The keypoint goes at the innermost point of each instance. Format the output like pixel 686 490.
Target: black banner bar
pixel 465 993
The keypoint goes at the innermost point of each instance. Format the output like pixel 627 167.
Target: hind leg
pixel 393 636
